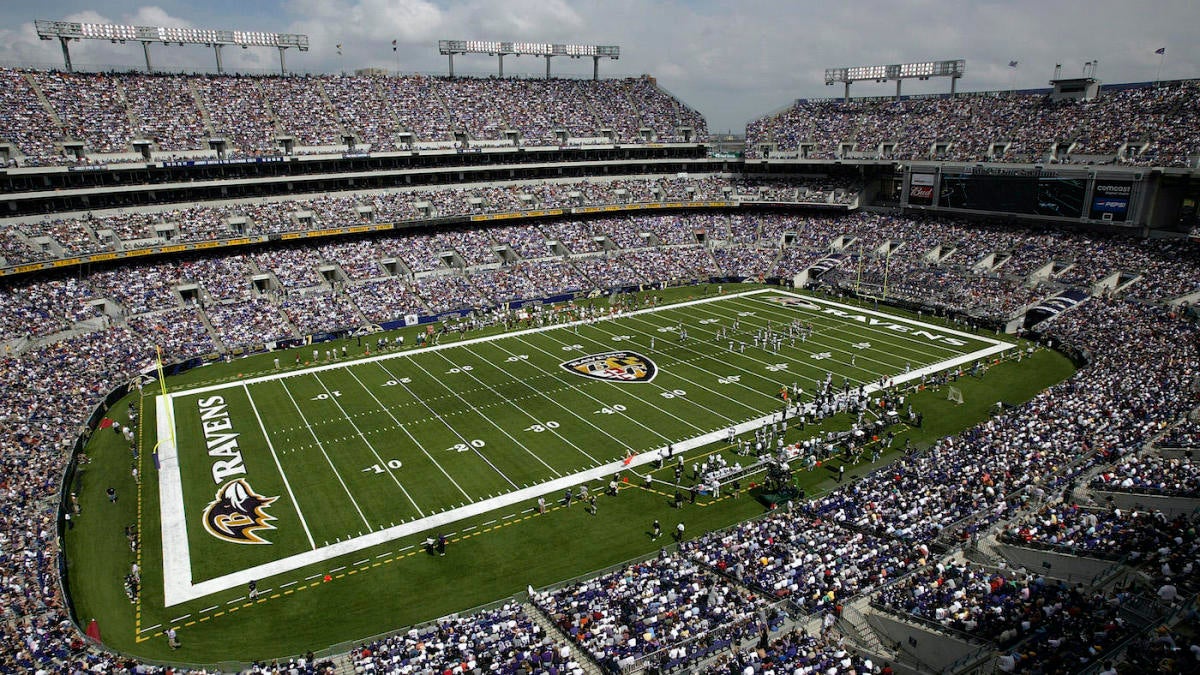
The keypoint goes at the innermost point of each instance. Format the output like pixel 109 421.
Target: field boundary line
pixel 519 409
pixel 408 433
pixel 489 420
pixel 441 419
pixel 286 484
pixel 450 345
pixel 382 462
pixel 321 447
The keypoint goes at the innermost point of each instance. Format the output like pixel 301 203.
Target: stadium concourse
pixel 890 539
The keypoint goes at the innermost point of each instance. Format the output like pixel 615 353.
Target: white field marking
pixel 179 618
pixel 774 382
pixel 150 628
pixel 361 435
pixel 310 578
pixel 238 599
pixel 359 562
pixel 488 419
pixel 877 334
pixel 887 336
pixel 441 419
pixel 812 340
pixel 402 550
pixel 177 584
pixel 551 398
pixel 634 392
pixel 286 484
pixel 321 447
pixel 290 583
pixel 337 569
pixel 451 345
pixel 177 563
pixel 583 391
pixel 206 610
pixel 518 408
pixel 705 356
pixel 408 433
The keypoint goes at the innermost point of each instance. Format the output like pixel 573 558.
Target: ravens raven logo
pixel 238 513
pixel 619 366
pixel 799 303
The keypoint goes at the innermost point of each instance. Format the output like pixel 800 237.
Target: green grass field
pixel 361 458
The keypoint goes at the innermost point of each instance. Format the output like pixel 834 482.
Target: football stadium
pixel 314 363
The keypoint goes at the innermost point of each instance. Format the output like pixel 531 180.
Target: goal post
pixel 954 394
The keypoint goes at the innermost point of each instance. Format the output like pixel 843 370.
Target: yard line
pixel 551 398
pixel 287 485
pixel 519 408
pixel 751 357
pixel 441 419
pixel 891 368
pixel 889 336
pixel 697 384
pixel 824 337
pixel 150 628
pixel 700 368
pixel 487 418
pixel 321 447
pixel 408 433
pixel 371 447
pixel 608 348
pixel 602 403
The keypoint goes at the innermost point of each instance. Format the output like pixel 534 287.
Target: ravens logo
pixel 238 513
pixel 618 366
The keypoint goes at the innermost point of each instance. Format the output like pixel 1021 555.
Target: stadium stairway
pixel 41 96
pixel 213 334
pixel 204 117
pixel 319 85
pixel 343 664
pixel 590 667
pixel 854 625
pixel 135 124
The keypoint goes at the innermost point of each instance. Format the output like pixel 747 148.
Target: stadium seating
pixel 73 338
pixel 1148 125
pixel 56 118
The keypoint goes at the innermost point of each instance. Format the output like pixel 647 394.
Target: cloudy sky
pixel 731 59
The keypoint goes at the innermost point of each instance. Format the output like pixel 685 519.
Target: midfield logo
pixel 793 302
pixel 618 366
pixel 238 513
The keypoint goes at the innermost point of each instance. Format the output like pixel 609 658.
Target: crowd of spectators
pixel 1185 435
pixel 661 605
pixel 123 230
pixel 1036 623
pixel 1151 474
pixel 847 543
pixel 254 114
pixel 1154 124
pixel 815 563
pixel 503 640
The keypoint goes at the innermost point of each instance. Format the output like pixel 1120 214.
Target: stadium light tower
pixel 449 48
pixel 899 72
pixel 66 31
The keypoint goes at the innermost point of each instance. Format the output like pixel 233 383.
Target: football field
pixel 285 470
